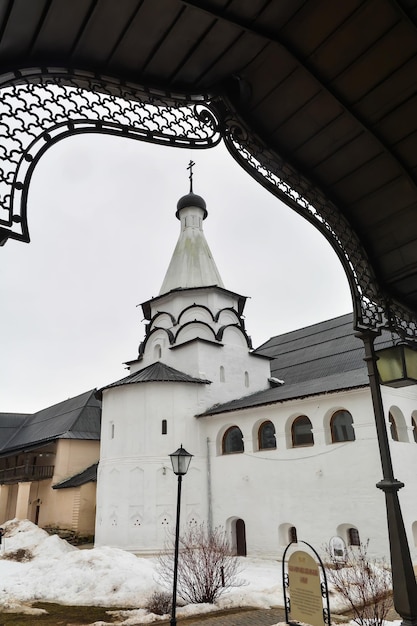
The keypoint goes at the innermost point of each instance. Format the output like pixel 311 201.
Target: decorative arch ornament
pixel 41 106
pixel 149 334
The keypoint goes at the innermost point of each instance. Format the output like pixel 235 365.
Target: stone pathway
pixel 238 617
pixel 251 617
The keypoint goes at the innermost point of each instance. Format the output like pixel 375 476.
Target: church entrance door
pixel 240 538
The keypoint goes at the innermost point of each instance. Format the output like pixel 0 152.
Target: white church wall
pixel 317 489
pixel 322 490
pixel 204 360
pixel 137 411
pixel 136 486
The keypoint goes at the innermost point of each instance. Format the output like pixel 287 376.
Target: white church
pixel 283 437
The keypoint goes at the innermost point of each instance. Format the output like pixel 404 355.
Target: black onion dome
pixel 191 199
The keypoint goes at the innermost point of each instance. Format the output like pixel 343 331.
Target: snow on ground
pixel 59 572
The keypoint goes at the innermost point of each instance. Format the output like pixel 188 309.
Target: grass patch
pixel 58 615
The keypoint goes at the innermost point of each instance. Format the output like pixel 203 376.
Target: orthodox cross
pixel 190 167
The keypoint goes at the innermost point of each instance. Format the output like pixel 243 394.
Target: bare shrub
pixel 363 582
pixel 21 555
pixel 206 566
pixel 69 535
pixel 159 603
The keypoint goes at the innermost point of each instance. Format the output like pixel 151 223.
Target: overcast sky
pixel 102 223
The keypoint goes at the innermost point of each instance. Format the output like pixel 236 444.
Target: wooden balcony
pixel 25 473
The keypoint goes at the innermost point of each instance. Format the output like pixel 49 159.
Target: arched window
pixel 398 425
pixel 393 427
pixel 266 436
pixel 292 534
pixel 301 431
pixel 222 374
pixel 353 537
pixel 164 427
pixel 337 548
pixel 414 425
pixel 232 440
pixel 246 379
pixel 157 351
pixel 341 427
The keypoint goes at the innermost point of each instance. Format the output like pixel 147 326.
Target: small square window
pixel 353 535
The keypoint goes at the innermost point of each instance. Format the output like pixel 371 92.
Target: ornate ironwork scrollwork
pixel 327 617
pixel 372 309
pixel 39 108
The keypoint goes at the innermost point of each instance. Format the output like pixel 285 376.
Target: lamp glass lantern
pixel 180 460
pixel 397 366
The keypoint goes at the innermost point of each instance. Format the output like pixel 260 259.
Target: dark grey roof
pixel 86 476
pixel 75 418
pixel 318 351
pixel 321 358
pixel 9 422
pixel 157 372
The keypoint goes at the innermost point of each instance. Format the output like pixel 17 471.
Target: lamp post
pixel 403 578
pixel 180 460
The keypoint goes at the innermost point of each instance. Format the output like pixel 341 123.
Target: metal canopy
pixel 320 95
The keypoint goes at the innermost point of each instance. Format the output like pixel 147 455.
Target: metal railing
pixel 26 473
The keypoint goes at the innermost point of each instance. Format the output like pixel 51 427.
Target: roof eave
pixel 217 410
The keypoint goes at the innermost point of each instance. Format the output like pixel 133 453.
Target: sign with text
pixel 306 599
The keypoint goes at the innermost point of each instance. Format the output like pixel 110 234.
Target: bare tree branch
pixel 206 566
pixel 364 583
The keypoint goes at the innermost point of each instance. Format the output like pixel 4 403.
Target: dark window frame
pixel 393 427
pixel 262 440
pixel 297 438
pixel 340 433
pixel 353 537
pixel 414 425
pixel 230 440
pixel 292 534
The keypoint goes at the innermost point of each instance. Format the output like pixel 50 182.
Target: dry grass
pixel 58 615
pixel 21 555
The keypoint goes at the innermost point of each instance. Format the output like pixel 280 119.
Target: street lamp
pixel 397 365
pixel 404 584
pixel 180 460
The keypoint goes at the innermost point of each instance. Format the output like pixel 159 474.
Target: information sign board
pixel 306 598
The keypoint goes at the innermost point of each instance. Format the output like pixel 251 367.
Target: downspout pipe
pixel 209 493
